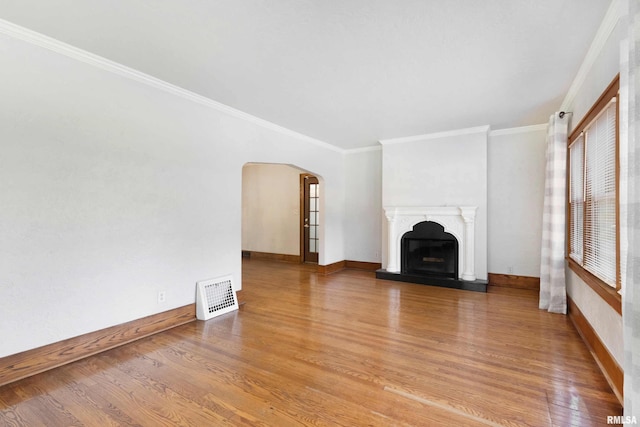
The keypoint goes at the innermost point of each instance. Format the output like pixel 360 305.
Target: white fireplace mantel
pixel 456 220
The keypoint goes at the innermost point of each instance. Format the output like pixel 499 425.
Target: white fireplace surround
pixel 456 220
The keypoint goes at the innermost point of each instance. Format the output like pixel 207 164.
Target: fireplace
pixel 432 246
pixel 429 250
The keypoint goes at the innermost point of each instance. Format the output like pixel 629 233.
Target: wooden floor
pixel 338 350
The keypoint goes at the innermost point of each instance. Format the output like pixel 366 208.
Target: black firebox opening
pixel 428 250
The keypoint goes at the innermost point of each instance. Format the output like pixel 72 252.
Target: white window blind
pixel 600 196
pixel 576 198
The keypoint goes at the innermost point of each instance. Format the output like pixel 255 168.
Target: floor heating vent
pixel 215 297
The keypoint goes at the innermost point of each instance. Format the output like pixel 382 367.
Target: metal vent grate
pixel 215 297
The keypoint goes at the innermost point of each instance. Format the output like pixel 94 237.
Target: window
pixel 593 223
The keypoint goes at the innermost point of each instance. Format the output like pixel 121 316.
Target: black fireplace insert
pixel 429 251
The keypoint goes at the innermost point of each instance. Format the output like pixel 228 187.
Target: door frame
pixel 304 176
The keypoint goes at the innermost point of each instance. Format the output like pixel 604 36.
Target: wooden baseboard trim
pixel 31 362
pixel 322 269
pixel 513 281
pixel 296 259
pixel 240 297
pixel 608 365
pixel 362 265
pixel 331 268
pixel 341 265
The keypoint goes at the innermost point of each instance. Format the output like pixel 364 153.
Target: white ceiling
pixel 347 72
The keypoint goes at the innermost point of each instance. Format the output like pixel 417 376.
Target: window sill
pixel 608 294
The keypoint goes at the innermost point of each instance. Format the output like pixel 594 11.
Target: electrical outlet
pixel 162 297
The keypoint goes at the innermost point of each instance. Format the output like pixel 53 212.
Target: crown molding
pixel 520 129
pixel 51 44
pixel 437 135
pixel 608 24
pixel 363 149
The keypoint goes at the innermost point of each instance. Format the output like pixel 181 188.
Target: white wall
pixel 112 190
pixel 271 208
pixel 605 320
pixel 516 168
pixel 363 206
pixel 441 171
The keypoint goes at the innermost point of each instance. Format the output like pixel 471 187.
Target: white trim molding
pixel 458 221
pixel 520 129
pixel 363 149
pixel 37 39
pixel 611 19
pixel 446 134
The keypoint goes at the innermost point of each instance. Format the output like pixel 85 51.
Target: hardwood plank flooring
pixel 338 350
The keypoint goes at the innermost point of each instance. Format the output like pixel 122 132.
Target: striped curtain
pixel 553 293
pixel 630 206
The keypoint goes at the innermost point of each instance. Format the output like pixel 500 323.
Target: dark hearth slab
pixel 467 285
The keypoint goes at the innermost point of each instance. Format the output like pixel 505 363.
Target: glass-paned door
pixel 311 218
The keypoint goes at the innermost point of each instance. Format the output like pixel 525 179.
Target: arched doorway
pixel 281 214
